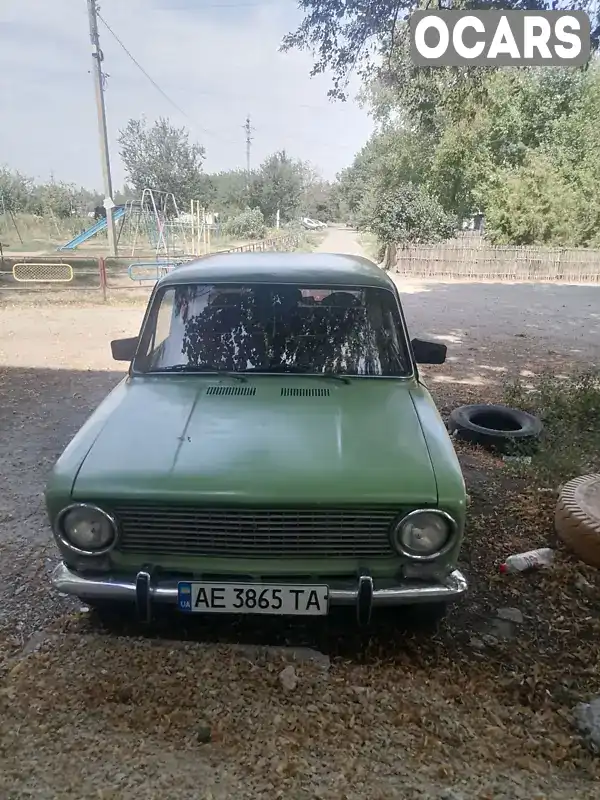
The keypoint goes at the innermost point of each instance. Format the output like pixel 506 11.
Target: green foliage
pixel 250 224
pixel 570 410
pixel 520 145
pixel 532 205
pixel 345 36
pixel 406 214
pixel 319 199
pixel 21 194
pixel 56 198
pixel 523 148
pixel 230 192
pixel 15 190
pixel 162 157
pixel 278 184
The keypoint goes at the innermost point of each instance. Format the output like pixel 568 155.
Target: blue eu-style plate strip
pixel 184 596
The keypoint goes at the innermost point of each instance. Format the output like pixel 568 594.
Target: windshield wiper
pixel 295 370
pixel 199 368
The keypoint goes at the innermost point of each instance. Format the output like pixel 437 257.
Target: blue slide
pixel 118 212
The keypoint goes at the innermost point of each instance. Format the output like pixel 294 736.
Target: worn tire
pixel 577 517
pixel 495 426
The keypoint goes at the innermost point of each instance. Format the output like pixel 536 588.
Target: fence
pixel 471 257
pixel 51 275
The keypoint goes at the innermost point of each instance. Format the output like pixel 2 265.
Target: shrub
pixel 250 224
pixel 570 410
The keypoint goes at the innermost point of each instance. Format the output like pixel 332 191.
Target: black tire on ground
pixel 495 426
pixel 577 517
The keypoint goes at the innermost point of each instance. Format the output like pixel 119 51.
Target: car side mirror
pixel 124 349
pixel 428 352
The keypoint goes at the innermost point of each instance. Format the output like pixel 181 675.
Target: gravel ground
pixel 479 710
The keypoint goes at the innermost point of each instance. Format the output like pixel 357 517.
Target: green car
pixel 272 450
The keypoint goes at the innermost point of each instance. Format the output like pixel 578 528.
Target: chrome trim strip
pixel 143 597
pixel 59 534
pixel 123 589
pixel 396 541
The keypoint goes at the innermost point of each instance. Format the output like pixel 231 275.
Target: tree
pixel 162 157
pixel 391 158
pixel 278 185
pixel 348 35
pixel 250 224
pixel 318 200
pixel 15 190
pixel 405 215
pixel 54 197
pixel 231 192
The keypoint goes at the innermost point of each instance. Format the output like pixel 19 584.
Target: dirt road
pixel 533 322
pixel 342 240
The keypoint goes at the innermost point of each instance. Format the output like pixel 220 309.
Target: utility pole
pixel 248 128
pixel 97 59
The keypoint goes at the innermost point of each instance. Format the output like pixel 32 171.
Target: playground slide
pixel 92 231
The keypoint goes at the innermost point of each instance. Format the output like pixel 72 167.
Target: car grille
pixel 255 533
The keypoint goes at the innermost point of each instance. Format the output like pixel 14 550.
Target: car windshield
pixel 274 328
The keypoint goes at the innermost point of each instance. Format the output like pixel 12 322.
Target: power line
pixel 155 84
pixel 142 70
pixel 247 127
pixel 197 91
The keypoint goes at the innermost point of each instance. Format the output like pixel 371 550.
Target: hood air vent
pixel 290 392
pixel 231 390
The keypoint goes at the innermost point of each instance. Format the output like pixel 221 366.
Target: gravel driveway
pixel 87 713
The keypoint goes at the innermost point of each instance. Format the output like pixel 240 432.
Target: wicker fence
pixel 471 257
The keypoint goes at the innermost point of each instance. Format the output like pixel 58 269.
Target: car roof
pixel 327 269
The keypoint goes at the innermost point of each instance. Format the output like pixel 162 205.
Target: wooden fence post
pixel 102 272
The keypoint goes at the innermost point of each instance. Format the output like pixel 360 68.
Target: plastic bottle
pixel 530 560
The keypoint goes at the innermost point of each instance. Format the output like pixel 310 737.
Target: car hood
pixel 276 439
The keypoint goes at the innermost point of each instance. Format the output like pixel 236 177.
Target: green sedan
pixel 272 450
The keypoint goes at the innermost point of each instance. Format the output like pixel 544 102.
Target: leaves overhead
pixel 347 36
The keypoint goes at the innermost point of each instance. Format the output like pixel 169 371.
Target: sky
pixel 218 60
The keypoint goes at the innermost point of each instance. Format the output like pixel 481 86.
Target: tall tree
pixel 162 157
pixel 278 185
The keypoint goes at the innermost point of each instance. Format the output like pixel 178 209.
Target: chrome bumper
pixel 145 590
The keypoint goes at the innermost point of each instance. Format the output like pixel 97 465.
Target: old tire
pixel 495 426
pixel 577 517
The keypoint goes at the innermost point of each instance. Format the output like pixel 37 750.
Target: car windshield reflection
pixel 272 328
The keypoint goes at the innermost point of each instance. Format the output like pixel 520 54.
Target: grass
pixel 310 240
pixel 370 244
pixel 569 407
pixel 46 234
pixel 31 233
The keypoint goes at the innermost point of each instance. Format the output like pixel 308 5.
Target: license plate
pixel 253 598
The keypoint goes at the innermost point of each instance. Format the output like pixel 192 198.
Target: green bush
pixel 569 407
pixel 406 214
pixel 250 224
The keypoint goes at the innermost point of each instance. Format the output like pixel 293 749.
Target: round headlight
pixel 87 529
pixel 423 534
